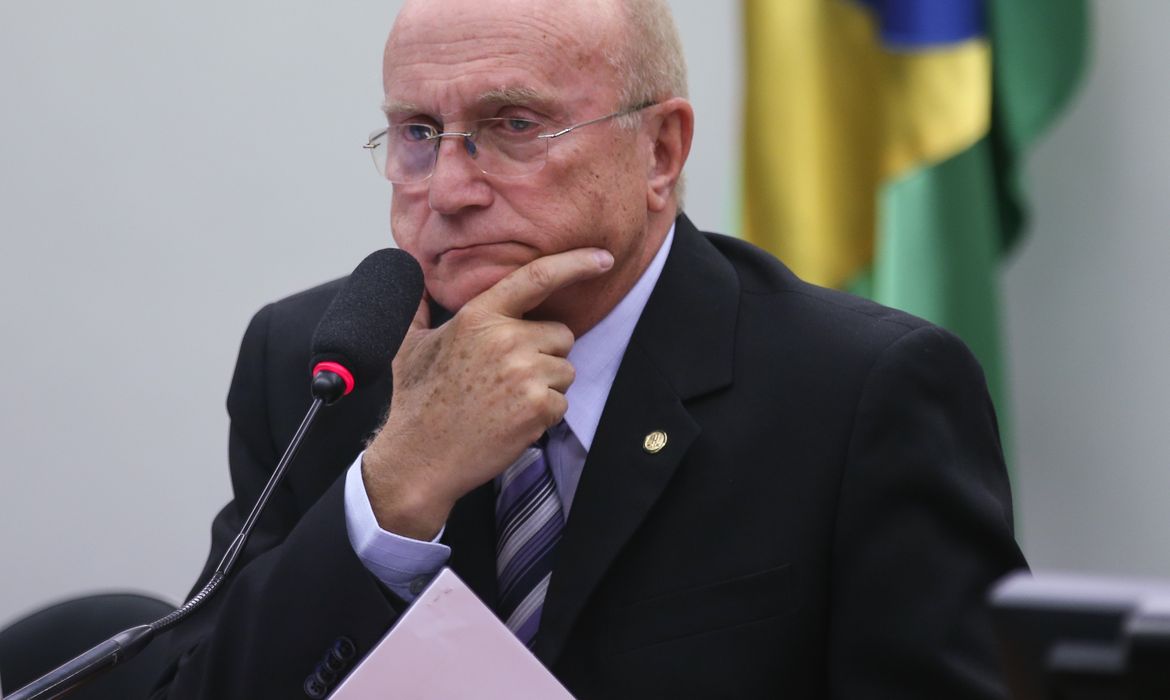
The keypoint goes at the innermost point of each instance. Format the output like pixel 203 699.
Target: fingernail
pixel 604 259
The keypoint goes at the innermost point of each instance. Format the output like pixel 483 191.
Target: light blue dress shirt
pixel 406 565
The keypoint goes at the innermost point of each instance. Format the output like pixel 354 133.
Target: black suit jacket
pixel 824 521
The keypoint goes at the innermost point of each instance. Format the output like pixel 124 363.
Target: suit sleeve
pixel 298 592
pixel 924 529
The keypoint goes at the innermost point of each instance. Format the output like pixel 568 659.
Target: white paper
pixel 448 645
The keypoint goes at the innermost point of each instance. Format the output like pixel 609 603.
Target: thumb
pixel 422 316
pixel 420 327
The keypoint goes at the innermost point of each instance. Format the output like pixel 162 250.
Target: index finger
pixel 525 288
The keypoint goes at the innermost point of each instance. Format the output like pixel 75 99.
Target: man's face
pixel 449 63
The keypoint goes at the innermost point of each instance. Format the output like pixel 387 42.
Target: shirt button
pixel 417 585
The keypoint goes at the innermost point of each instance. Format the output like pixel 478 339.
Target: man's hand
pixel 470 396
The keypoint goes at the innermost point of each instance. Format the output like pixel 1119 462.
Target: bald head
pixel 636 38
pixel 583 25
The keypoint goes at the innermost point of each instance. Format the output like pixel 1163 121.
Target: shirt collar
pixel 597 354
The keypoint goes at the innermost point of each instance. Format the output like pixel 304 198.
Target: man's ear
pixel 670 128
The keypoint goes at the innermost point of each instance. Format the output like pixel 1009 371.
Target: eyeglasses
pixel 501 146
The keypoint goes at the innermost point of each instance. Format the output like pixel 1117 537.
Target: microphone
pixel 352 347
pixel 365 324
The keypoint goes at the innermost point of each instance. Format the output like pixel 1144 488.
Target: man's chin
pixel 453 293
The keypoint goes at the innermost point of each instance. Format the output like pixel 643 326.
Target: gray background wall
pixel 165 170
pixel 1087 321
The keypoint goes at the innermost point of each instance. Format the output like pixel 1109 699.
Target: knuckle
pixel 513 367
pixel 565 335
pixel 534 394
pixel 501 341
pixel 555 407
pixel 558 335
pixel 540 275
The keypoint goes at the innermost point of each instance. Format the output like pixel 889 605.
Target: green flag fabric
pixel 937 104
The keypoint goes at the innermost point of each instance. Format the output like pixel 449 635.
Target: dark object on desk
pixel 40 641
pixel 1067 637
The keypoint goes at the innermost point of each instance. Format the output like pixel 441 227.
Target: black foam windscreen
pixel 368 319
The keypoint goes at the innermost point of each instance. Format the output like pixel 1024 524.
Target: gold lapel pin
pixel 654 442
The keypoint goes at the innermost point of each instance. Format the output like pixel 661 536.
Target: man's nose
pixel 457 181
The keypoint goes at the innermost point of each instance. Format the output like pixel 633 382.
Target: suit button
pixel 332 662
pixel 344 648
pixel 418 585
pixel 314 688
pixel 326 676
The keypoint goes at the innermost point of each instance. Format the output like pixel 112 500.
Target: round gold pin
pixel 654 442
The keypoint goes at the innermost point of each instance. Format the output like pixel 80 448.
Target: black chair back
pixel 43 640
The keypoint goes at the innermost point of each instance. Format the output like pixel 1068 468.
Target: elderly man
pixel 671 467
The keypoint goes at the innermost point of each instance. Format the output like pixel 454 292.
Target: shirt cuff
pixel 402 564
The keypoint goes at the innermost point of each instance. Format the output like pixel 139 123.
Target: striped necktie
pixel 529 522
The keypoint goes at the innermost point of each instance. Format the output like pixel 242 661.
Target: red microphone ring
pixel 339 371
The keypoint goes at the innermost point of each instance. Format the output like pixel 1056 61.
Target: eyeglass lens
pixel 407 153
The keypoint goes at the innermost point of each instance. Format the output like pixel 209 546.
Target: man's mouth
pixel 493 249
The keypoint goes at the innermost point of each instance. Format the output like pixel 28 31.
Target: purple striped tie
pixel 528 526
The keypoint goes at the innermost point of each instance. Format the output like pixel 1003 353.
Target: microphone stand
pixel 327 388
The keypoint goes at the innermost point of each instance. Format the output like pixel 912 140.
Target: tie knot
pixel 560 432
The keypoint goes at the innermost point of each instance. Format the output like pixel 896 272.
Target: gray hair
pixel 649 57
pixel 649 62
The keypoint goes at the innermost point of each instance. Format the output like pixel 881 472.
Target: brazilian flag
pixel 882 143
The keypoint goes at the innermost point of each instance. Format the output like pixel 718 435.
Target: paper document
pixel 449 645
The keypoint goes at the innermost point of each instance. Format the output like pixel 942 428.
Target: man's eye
pixel 516 126
pixel 418 132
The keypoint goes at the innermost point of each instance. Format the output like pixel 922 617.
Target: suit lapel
pixel 682 347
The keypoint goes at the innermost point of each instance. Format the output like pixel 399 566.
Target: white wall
pixel 164 172
pixel 1087 321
